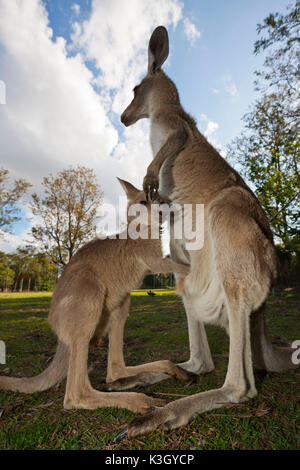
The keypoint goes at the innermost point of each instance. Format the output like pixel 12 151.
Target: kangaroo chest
pixel 158 137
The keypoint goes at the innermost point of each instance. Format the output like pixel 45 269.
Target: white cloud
pixel 215 91
pixel 54 118
pixel 209 129
pixel 76 8
pixel 191 31
pixel 232 90
pixel 211 126
pixel 116 36
pixel 10 242
pixel 2 92
pixel 230 87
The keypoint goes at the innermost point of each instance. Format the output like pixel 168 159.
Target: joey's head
pixel 156 88
pixel 138 206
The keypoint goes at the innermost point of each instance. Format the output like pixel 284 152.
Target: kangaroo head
pixel 137 204
pixel 156 88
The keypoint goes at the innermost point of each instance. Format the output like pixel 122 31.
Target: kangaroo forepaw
pixel 184 375
pixel 143 379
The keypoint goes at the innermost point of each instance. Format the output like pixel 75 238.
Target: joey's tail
pixel 266 355
pixel 56 372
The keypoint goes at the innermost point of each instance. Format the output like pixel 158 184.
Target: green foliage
pixel 268 150
pixel 27 269
pixel 45 272
pixel 7 275
pixel 68 212
pixel 284 28
pixel 157 281
pixel 9 197
pixel 281 66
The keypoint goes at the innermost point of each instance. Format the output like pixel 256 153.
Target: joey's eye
pixel 144 203
pixel 135 90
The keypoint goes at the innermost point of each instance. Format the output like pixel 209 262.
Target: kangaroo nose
pixel 124 119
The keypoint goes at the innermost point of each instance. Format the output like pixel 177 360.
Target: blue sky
pixel 64 97
pixel 225 49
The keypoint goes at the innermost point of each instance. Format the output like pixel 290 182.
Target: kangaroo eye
pixel 144 203
pixel 135 90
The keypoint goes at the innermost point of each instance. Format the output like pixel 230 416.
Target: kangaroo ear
pixel 158 49
pixel 129 189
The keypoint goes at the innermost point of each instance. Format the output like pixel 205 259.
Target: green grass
pixel 156 329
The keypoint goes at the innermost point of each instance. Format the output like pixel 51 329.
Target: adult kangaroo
pixel 231 275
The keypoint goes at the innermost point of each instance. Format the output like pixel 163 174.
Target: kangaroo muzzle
pixel 125 120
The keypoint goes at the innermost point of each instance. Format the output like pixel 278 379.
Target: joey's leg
pixel 115 364
pixel 80 393
pixel 122 377
pixel 200 360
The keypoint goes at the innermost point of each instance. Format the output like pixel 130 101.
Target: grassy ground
pixel 156 329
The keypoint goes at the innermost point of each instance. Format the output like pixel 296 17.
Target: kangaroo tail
pixel 54 374
pixel 266 355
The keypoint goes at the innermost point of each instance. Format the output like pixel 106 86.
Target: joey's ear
pixel 129 189
pixel 158 49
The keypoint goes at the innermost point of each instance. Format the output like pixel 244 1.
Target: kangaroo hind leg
pixel 79 391
pixel 266 355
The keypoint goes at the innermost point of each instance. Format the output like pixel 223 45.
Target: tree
pixel 268 152
pixel 6 273
pixel 25 264
pixel 20 263
pixel 68 212
pixel 281 67
pixel 9 197
pixel 45 273
pixel 268 149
